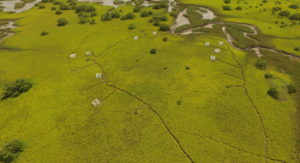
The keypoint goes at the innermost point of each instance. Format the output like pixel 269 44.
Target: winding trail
pixel 105 81
pixel 244 85
pixel 158 116
pixel 257 50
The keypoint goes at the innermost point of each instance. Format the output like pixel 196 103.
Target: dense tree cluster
pixel 11 151
pixel 15 89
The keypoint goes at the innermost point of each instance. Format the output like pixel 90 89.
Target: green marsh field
pixel 188 81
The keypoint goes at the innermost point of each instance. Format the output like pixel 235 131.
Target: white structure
pixel 73 55
pixel 221 43
pixel 154 33
pixel 88 53
pixel 96 102
pixel 136 37
pixel 98 76
pixel 206 44
pixel 212 58
pixel 217 50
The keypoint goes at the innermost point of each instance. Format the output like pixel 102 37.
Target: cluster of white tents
pixel 87 53
pixel 216 50
pixel 137 37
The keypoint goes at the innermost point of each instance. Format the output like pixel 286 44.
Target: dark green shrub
pixel 53 8
pixel 44 33
pixel 163 18
pixel 106 17
pixel 156 23
pixel 93 21
pixel 58 12
pixel 83 15
pixel 128 16
pixel 260 64
pixel 63 6
pixel 165 39
pixel 179 102
pixel 115 14
pixel 226 8
pixel 62 22
pixel 227 1
pixel 275 9
pixel 137 9
pixel 153 51
pixel 131 27
pixel 239 8
pixel 57 2
pixel 164 27
pixel 146 13
pixel 297 49
pixel 14 147
pixel 85 8
pixel 268 75
pixel 160 5
pixel 291 89
pixel 11 151
pixel 295 16
pixel 82 20
pixel 15 89
pixel 294 6
pixel 42 6
pixel 273 93
pixel 6 157
pixel 284 13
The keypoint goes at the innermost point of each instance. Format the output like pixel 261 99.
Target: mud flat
pixel 6 27
pixel 9 6
pixel 180 20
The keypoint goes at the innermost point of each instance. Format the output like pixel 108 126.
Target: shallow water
pixel 9 25
pixel 180 20
pixel 9 6
pixel 206 13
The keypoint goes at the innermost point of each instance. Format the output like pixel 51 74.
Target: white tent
pixel 136 37
pixel 217 50
pixel 154 33
pixel 206 44
pixel 88 53
pixel 221 43
pixel 96 102
pixel 98 76
pixel 73 55
pixel 212 58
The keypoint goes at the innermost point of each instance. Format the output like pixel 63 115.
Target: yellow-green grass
pixel 213 123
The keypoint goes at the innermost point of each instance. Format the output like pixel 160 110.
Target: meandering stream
pixel 209 15
pixel 9 5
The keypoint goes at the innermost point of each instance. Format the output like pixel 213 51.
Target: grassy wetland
pixel 150 81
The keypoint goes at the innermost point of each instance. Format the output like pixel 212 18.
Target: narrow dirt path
pixel 161 119
pixel 258 113
pixel 158 116
pixel 228 145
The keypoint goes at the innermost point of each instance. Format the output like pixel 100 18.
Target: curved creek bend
pixel 208 14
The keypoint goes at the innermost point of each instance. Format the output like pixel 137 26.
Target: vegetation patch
pixel 11 151
pixel 15 89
